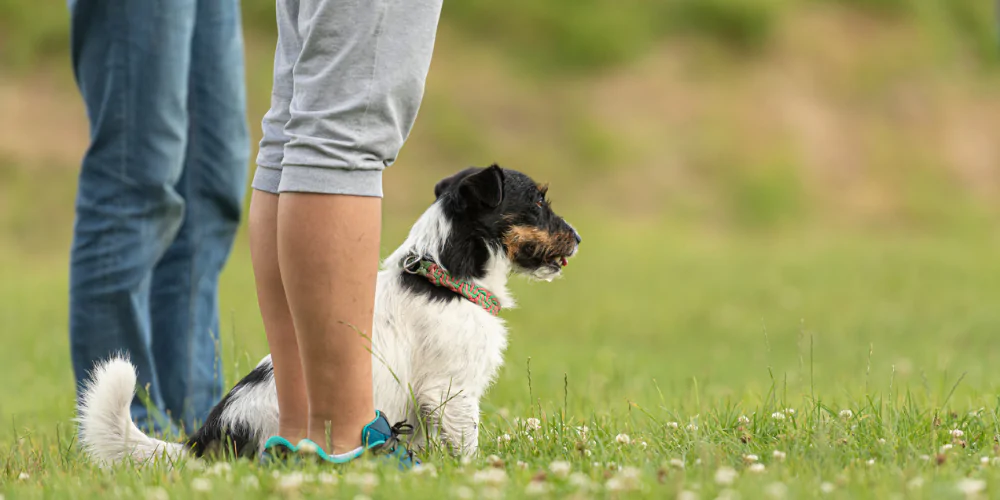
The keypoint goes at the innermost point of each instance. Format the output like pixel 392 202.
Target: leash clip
pixel 411 263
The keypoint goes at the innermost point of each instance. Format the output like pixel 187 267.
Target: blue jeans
pixel 160 194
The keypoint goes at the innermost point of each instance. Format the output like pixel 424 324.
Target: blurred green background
pixel 792 194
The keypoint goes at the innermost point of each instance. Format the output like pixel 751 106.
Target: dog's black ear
pixel 485 186
pixel 446 183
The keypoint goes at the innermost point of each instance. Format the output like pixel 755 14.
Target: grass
pixel 651 325
pixel 759 311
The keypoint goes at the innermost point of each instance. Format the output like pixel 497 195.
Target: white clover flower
pixel 366 480
pixel 425 470
pixel 492 476
pixel 494 460
pixel 925 458
pixel 533 424
pixel 778 455
pixel 751 458
pixel 628 479
pixel 157 493
pixel 465 460
pixel 586 453
pixel 826 487
pixel 744 419
pixel 846 414
pixel 756 468
pixel 505 437
pixel 790 411
pixel 535 488
pixel 971 487
pixel 24 476
pixel 946 447
pixel 881 440
pixel 778 415
pixel 725 475
pixel 673 425
pixel 560 468
pixel 201 484
pixel 984 460
pixel 957 433
pixel 687 495
pixel 870 462
pixel 776 490
pixel 630 473
pixel 692 427
pixel 522 465
pixel 291 481
pixel 615 484
pixel 580 480
pixel 219 469
pixel 250 482
pixel 308 447
pixel 676 463
pixel 623 439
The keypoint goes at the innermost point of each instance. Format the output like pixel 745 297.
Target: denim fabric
pixel 160 194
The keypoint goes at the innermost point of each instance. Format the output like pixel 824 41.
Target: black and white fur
pixel 434 353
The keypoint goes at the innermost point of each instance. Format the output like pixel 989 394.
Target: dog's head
pixel 500 211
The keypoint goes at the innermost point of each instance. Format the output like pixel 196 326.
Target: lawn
pixel 666 362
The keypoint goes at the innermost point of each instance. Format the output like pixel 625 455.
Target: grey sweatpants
pixel 348 80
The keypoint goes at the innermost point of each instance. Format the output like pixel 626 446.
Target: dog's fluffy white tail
pixel 107 433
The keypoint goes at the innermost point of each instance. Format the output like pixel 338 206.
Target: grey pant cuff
pixel 266 179
pixel 323 180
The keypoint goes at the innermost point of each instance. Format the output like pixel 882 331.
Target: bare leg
pixel 328 253
pixel 293 407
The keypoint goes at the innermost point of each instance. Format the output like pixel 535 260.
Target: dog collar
pixel 439 277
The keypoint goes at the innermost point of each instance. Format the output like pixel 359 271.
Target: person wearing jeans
pixel 160 194
pixel 348 80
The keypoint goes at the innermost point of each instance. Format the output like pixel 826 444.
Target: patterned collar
pixel 436 274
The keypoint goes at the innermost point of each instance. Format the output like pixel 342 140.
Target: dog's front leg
pixel 454 414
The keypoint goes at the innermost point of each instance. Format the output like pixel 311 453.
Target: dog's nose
pixel 577 236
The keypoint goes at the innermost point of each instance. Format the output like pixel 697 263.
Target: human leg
pixel 184 300
pixel 358 82
pixel 293 407
pixel 131 64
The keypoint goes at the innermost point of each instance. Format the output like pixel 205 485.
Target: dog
pixel 437 343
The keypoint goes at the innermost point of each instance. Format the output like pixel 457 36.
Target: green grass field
pixel 665 335
pixel 788 284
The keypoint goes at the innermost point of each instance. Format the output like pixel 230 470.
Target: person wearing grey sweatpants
pixel 348 81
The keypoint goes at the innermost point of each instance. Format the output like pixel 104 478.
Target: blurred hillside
pixel 750 114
